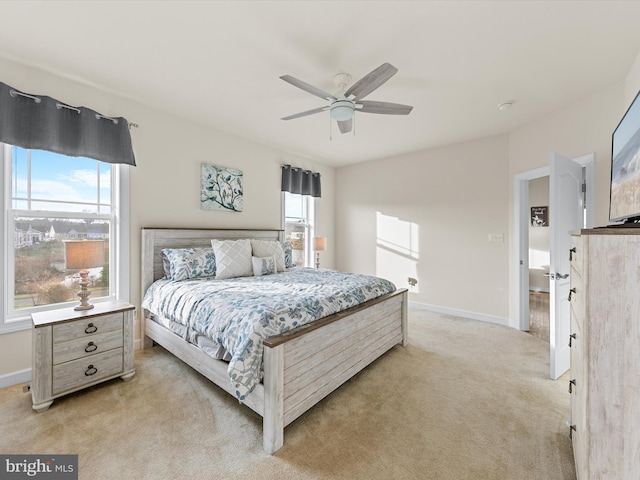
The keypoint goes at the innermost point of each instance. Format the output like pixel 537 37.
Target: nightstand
pixel 73 350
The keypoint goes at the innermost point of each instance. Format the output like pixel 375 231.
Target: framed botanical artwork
pixel 539 216
pixel 220 188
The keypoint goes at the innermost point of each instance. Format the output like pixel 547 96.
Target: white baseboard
pixel 460 313
pixel 14 378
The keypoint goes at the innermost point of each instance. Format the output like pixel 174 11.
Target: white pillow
pixel 233 258
pixel 269 248
pixel 263 266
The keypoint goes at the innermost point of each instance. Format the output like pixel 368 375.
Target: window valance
pixel 304 182
pixel 43 123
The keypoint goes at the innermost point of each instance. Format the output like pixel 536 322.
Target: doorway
pixel 521 262
pixel 521 243
pixel 539 258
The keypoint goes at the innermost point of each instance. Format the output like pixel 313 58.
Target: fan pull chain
pixel 330 139
pixel 354 123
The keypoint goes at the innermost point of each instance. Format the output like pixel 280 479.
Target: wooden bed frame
pixel 302 366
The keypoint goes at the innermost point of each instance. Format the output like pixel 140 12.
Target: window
pixel 299 216
pixel 51 203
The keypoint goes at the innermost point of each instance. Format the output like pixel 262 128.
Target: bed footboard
pixel 302 368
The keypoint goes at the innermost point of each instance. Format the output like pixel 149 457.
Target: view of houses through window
pixel 41 273
pixel 56 201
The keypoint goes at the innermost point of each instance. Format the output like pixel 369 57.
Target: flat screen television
pixel 624 201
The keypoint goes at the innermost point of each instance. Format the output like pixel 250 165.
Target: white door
pixel 566 213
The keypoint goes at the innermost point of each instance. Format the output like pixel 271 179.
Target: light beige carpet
pixel 466 400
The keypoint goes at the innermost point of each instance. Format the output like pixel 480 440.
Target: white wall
pixel 165 185
pixel 428 215
pixel 632 83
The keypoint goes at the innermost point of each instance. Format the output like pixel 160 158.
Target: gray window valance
pixel 43 123
pixel 304 182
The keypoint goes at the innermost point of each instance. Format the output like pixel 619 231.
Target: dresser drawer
pixel 577 302
pixel 577 253
pixel 577 350
pixel 64 332
pixel 578 392
pixel 84 347
pixel 71 375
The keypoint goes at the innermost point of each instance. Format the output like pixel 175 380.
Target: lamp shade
pixel 319 244
pixel 84 254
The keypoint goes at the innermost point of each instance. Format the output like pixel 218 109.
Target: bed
pixel 300 366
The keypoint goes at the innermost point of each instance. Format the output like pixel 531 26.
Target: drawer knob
pixel 571 252
pixel 571 291
pixel 572 383
pixel 91 328
pixel 92 347
pixel 571 337
pixel 91 370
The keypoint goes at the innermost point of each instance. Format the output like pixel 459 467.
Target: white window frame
pixel 120 249
pixel 310 214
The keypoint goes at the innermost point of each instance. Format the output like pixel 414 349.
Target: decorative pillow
pixel 233 258
pixel 269 248
pixel 263 266
pixel 185 263
pixel 288 254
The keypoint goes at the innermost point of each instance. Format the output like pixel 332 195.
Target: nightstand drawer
pixel 73 349
pixel 64 332
pixel 75 374
pixel 84 347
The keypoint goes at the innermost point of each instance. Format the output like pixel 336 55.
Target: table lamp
pixel 84 254
pixel 319 245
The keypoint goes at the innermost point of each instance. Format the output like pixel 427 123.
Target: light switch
pixel 496 237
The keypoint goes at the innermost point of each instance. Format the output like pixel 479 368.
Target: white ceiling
pixel 218 62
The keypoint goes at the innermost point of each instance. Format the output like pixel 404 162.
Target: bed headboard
pixel 155 239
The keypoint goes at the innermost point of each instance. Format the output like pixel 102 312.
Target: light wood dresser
pixel 73 350
pixel 605 353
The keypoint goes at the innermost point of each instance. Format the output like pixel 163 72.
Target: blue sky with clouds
pixel 58 177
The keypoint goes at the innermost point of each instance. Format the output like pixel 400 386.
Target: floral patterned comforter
pixel 239 313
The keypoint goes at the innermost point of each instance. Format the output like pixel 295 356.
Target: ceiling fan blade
pixel 345 125
pixel 371 81
pixel 304 114
pixel 385 108
pixel 307 88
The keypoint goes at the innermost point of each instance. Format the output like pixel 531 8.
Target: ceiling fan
pixel 343 105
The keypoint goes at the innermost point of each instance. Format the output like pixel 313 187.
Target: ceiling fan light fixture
pixel 342 110
pixel 343 104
